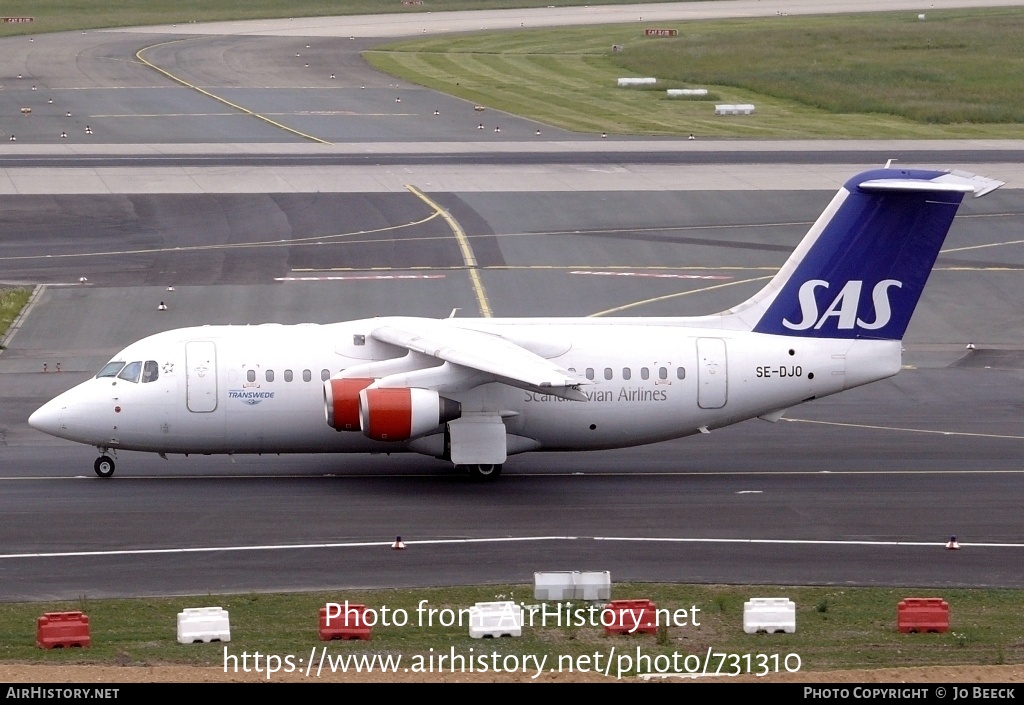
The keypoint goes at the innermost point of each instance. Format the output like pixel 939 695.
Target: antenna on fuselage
pixel 454 311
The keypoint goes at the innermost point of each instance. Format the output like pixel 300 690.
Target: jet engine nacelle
pixel 398 414
pixel 341 402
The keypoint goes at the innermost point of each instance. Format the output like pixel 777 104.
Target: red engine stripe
pixel 389 414
pixel 345 393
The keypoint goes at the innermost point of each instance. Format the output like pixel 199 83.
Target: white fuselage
pixel 474 391
pixel 259 389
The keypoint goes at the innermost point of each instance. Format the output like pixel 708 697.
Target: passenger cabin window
pixel 626 373
pixel 307 375
pixel 590 373
pixel 131 372
pixel 607 372
pixel 269 375
pixel 681 373
pixel 287 375
pixel 662 373
pixel 110 369
pixel 325 375
pixel 645 373
pixel 150 371
pixel 250 375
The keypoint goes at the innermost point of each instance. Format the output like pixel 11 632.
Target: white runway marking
pixel 360 278
pixel 981 247
pixel 807 542
pixel 652 275
pixel 277 547
pixel 523 539
pixel 907 430
pixel 165 115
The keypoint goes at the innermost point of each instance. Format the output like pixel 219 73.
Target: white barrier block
pixel 558 586
pixel 203 624
pixel 495 619
pixel 594 585
pixel 769 614
pixel 554 585
pixel 740 109
pixel 627 82
pixel 684 92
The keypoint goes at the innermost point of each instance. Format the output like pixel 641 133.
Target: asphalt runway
pixel 859 489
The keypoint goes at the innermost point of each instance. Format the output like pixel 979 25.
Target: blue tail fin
pixel 861 268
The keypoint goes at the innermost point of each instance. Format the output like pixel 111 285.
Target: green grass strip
pixel 836 628
pixel 12 301
pixel 957 74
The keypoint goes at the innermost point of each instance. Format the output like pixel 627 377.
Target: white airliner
pixel 473 391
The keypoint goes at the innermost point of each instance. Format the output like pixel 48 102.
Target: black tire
pixel 104 466
pixel 484 473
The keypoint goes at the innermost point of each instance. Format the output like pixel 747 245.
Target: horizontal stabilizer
pixel 951 182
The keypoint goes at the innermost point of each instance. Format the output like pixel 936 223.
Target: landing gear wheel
pixel 484 473
pixel 104 466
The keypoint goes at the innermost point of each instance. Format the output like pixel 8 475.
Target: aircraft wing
pixel 488 353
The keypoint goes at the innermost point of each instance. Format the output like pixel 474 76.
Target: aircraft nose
pixel 47 418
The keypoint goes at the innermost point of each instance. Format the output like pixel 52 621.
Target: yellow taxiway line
pixel 467 251
pixel 140 57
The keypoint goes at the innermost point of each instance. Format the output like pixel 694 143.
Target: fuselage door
pixel 201 375
pixel 712 373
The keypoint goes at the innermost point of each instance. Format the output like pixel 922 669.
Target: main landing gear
pixel 104 466
pixel 483 473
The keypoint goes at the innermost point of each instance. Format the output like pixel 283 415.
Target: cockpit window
pixel 131 372
pixel 150 371
pixel 110 369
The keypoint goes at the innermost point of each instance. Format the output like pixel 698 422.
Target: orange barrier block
pixel 630 617
pixel 923 614
pixel 343 621
pixel 62 629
